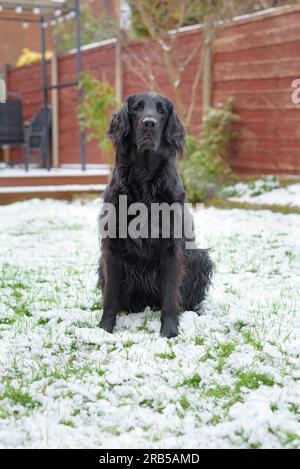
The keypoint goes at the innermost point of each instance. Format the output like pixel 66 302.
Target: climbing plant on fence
pixel 94 113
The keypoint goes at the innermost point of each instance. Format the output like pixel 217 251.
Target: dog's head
pixel 148 121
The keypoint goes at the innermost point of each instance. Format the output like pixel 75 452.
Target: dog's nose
pixel 149 122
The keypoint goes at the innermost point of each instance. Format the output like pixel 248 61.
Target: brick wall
pixel 13 38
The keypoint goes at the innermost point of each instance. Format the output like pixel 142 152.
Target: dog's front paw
pixel 169 327
pixel 107 323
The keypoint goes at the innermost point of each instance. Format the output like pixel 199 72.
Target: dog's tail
pixel 200 272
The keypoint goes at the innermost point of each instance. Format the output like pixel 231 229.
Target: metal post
pixel 45 89
pixel 55 111
pixel 79 70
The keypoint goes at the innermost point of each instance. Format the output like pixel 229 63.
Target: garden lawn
pixel 231 379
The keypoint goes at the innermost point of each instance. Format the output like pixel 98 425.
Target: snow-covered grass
pixel 265 191
pixel 230 379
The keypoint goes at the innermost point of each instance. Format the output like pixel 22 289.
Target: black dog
pixel 157 272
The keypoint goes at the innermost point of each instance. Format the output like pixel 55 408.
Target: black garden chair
pixel 35 136
pixel 11 125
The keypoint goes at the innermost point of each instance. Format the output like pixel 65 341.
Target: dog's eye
pixel 138 107
pixel 160 109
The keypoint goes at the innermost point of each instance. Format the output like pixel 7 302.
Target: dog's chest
pixel 141 201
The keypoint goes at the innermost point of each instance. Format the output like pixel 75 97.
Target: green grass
pixel 199 340
pixel 128 344
pixel 206 356
pixel 42 321
pixel 218 392
pixel 239 325
pixel 147 403
pixel 113 430
pixel 249 339
pixel 67 423
pixel 19 397
pixel 274 407
pixel 7 321
pixel 294 408
pixel 193 382
pixel 184 402
pixel 253 380
pixel 292 439
pixel 232 395
pixel 166 356
pixel 215 420
pixel 223 352
pixel 144 327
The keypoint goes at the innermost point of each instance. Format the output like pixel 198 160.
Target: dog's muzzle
pixel 148 134
pixel 149 123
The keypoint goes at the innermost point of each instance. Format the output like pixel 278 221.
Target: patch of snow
pixel 266 191
pixel 229 380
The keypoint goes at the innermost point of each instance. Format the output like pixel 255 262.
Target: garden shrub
pixel 94 113
pixel 204 168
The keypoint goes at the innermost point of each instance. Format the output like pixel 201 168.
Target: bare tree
pixel 162 50
pixel 160 21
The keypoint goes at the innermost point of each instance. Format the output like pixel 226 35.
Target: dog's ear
pixel 119 128
pixel 174 131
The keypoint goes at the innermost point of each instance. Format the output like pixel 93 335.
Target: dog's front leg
pixel 170 273
pixel 111 294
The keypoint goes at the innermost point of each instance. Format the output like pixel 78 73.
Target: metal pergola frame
pixel 48 7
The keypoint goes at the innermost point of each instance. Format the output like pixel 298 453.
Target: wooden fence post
pixel 3 83
pixel 119 84
pixel 118 58
pixel 208 63
pixel 3 97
